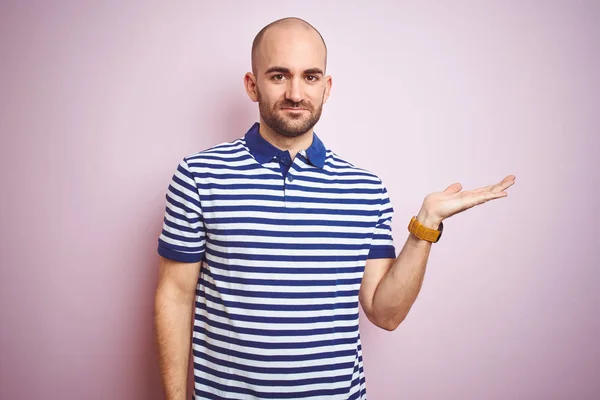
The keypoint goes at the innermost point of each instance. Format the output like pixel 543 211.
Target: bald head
pixel 288 25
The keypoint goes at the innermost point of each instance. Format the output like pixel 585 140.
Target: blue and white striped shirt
pixel 283 246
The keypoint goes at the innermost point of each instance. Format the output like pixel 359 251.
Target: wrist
pixel 428 220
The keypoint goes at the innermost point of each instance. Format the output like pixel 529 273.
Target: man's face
pixel 290 84
pixel 287 117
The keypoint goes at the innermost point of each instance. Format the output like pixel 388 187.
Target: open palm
pixel 452 200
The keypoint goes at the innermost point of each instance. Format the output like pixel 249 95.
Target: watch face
pixel 441 229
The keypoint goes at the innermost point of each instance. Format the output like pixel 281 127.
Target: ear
pixel 328 84
pixel 250 85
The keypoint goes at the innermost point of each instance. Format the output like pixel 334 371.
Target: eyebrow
pixel 284 70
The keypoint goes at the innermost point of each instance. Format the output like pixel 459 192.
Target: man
pixel 273 240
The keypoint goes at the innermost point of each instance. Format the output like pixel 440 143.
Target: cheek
pixel 272 96
pixel 316 93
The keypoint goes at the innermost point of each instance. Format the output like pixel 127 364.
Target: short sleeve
pixel 382 245
pixel 183 237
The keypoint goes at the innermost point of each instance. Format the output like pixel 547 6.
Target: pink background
pixel 100 102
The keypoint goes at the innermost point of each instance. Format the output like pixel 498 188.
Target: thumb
pixel 454 188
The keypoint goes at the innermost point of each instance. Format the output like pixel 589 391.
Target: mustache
pixel 291 104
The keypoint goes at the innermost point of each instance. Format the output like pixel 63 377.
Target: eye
pixel 312 78
pixel 277 77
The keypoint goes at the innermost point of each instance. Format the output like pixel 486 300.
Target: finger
pixel 495 195
pixel 454 188
pixel 484 188
pixel 507 182
pixel 500 186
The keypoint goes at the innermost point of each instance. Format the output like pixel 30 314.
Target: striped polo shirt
pixel 283 245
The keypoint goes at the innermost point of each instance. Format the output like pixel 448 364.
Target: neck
pixel 291 144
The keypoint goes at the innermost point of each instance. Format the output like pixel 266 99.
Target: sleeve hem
pixel 382 252
pixel 179 256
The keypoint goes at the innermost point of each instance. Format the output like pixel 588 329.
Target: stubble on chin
pixel 292 125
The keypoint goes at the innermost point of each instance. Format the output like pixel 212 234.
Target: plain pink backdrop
pixel 99 102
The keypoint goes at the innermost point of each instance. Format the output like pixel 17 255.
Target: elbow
pixel 386 322
pixel 170 297
pixel 391 325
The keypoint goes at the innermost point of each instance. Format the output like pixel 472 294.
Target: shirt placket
pixel 287 173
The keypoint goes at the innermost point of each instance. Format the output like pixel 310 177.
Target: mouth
pixel 294 109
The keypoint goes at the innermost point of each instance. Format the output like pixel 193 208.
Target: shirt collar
pixel 264 151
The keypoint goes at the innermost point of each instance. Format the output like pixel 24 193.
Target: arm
pixel 173 306
pixel 390 286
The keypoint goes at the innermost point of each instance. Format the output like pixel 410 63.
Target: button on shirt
pixel 285 160
pixel 283 244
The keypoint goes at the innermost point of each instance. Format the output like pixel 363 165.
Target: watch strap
pixel 423 232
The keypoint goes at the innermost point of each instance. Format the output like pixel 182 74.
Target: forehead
pixel 295 48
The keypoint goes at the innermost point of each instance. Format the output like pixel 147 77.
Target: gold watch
pixel 423 232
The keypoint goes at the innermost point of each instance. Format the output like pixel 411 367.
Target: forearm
pixel 173 327
pixel 400 287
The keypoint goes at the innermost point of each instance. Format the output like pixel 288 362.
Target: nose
pixel 294 91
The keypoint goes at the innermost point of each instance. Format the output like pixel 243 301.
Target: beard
pixel 293 125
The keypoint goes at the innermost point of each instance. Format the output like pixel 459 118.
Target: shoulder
pixel 223 150
pixel 334 163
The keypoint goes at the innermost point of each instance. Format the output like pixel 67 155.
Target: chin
pixel 296 124
pixel 294 131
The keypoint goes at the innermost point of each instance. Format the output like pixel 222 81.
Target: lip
pixel 295 109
